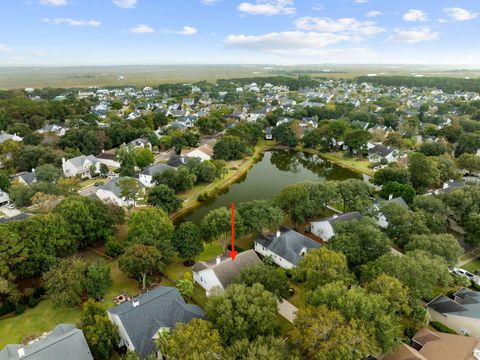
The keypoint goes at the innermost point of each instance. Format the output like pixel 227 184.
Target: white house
pixel 80 166
pixel 109 158
pixel 379 152
pixel 216 274
pixel 26 178
pixel 324 228
pixel 53 128
pixel 268 133
pixel 4 197
pixel 381 219
pixel 111 193
pixel 146 176
pixel 140 320
pixel 5 137
pixel 203 152
pixel 286 247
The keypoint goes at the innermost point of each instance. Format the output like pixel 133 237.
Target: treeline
pixel 447 84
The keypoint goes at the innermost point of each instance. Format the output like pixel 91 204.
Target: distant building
pixel 111 193
pixel 109 158
pixel 80 166
pixel 146 176
pixel 324 228
pixel 5 137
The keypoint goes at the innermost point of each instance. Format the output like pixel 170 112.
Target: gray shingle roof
pixel 28 177
pixel 288 245
pixel 156 169
pixel 381 150
pixel 470 306
pixel 227 270
pixel 64 342
pixel 355 215
pixel 78 161
pixel 158 308
pixel 113 186
pixel 398 200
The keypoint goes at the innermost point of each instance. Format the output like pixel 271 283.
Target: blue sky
pixel 91 32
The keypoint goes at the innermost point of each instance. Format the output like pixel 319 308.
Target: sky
pixel 284 32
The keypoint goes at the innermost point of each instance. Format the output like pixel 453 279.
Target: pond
pixel 269 176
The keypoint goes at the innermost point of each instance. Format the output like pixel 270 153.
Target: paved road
pixel 9 212
pixel 287 310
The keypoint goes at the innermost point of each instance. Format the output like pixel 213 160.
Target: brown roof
pixel 108 155
pixel 437 346
pixel 227 269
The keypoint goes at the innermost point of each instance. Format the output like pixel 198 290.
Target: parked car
pixel 462 272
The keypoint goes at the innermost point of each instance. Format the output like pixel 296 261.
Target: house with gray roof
pixel 80 166
pixel 5 137
pixel 462 313
pixel 380 153
pixel 140 320
pixel 146 176
pixel 286 247
pixel 377 207
pixel 215 275
pixel 52 128
pixel 64 342
pixel 27 178
pixel 324 228
pixel 111 193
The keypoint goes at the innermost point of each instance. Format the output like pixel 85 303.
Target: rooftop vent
pixel 21 352
pixel 135 303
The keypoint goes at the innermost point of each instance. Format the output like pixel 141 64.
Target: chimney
pixel 135 303
pixel 390 197
pixel 218 260
pixel 33 170
pixel 279 233
pixel 445 185
pixel 63 160
pixel 21 352
pixel 335 216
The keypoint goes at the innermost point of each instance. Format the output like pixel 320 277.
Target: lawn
pixel 354 164
pixel 298 298
pixel 472 266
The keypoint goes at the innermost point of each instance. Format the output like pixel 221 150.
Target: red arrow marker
pixel 233 252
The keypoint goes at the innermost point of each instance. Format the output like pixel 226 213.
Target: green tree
pixel 230 148
pixel 130 189
pixel 196 340
pixel 272 279
pixel 355 195
pixel 472 229
pixel 163 197
pixel 152 227
pixel 360 240
pixel 433 149
pixel 443 245
pixel 12 252
pixel 143 157
pixel 424 173
pixel 217 225
pixel 391 173
pixel 187 241
pixel 260 215
pixel 48 173
pixel 243 312
pixel 395 189
pixel 357 140
pixel 323 334
pixel 126 158
pixel 393 291
pixel 285 135
pixel 468 162
pixel 322 266
pixel 294 200
pixel 186 286
pixel 98 279
pixel 178 180
pixel 262 348
pixel 138 261
pixel 104 170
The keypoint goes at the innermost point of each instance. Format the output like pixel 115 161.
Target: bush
pixel 113 248
pixel 7 308
pixel 202 197
pixel 442 328
pixel 19 309
pixel 38 292
pixel 32 302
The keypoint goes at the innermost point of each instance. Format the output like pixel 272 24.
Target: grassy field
pixel 354 164
pixel 473 266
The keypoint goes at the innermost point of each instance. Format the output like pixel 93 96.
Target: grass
pixel 354 164
pixel 298 298
pixel 284 325
pixel 472 266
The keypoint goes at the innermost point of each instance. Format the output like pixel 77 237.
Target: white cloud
pixel 415 35
pixel 373 13
pixel 415 15
pixel 344 25
pixel 268 7
pixel 187 30
pixel 72 22
pixel 142 29
pixel 283 43
pixel 360 1
pixel 5 49
pixel 317 7
pixel 210 2
pixel 54 2
pixel 126 4
pixel 37 52
pixel 459 14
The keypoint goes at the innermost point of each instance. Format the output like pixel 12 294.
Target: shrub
pixel 113 248
pixel 19 309
pixel 202 197
pixel 32 302
pixel 7 308
pixel 442 328
pixel 38 292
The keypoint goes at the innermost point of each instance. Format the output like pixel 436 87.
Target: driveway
pixel 9 212
pixel 287 310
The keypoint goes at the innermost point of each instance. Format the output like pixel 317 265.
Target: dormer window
pixel 303 252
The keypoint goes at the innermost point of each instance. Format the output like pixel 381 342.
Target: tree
pixel 443 245
pixel 467 143
pixel 294 200
pixel 187 242
pixel 285 135
pixel 48 173
pixel 126 158
pixel 323 334
pixel 101 334
pixel 163 197
pixel 272 279
pixel 393 291
pixel 322 266
pixel 260 215
pixel 355 303
pixel 472 229
pixel 186 286
pixel 98 279
pixel 357 140
pixel 65 283
pixel 263 347
pixel 143 157
pixel 391 173
pixel 421 272
pixel 178 180
pixel 205 171
pixel 152 227
pixel 360 240
pixel 130 189
pixel 4 183
pixel 447 168
pixel 243 312
pixel 195 340
pixel 468 162
pixel 230 148
pixel 424 172
pixel 138 261
pixel 395 189
pixel 355 195
pixel 433 149
pixel 217 225
pixel 12 252
pixel 104 170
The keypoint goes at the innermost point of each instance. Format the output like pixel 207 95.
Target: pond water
pixel 269 176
